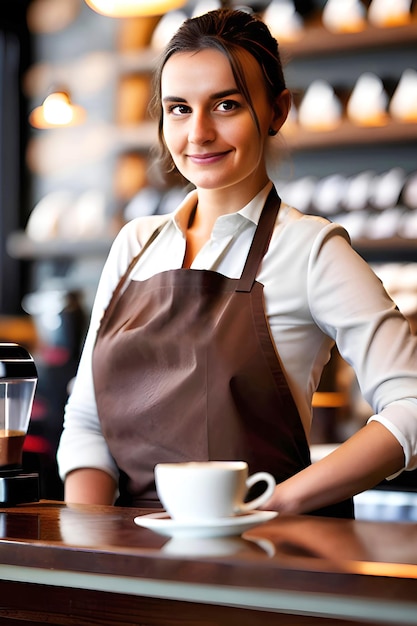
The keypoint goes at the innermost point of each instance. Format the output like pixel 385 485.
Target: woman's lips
pixel 208 158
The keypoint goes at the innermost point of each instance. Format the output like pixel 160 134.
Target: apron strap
pixel 125 276
pixel 257 250
pixel 260 241
pixel 141 252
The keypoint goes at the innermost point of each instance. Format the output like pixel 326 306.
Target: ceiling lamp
pixel 57 111
pixel 134 8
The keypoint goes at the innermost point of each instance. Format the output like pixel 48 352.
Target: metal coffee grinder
pixel 18 379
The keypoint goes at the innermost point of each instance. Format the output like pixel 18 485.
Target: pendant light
pixel 134 8
pixel 57 111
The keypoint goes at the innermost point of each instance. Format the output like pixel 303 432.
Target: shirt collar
pixel 250 212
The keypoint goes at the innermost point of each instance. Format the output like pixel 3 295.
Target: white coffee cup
pixel 208 490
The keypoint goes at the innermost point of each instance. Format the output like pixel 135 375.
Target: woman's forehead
pixel 205 68
pixel 185 61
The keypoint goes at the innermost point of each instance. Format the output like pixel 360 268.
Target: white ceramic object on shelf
pixel 320 109
pixel 367 105
pixel 283 20
pixel 386 188
pixel 389 13
pixel 329 194
pixel 403 104
pixel 44 220
pixel 299 193
pixel 344 16
pixel 358 191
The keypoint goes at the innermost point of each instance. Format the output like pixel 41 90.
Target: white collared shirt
pixel 317 290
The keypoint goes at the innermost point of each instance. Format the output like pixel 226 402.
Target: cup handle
pixel 252 480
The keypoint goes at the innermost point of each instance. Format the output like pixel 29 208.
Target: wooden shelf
pixel 317 40
pixel 348 134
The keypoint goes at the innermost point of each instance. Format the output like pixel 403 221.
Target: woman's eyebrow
pixel 173 99
pixel 224 94
pixel 215 96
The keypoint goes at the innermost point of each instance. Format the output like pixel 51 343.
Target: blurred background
pixel 67 184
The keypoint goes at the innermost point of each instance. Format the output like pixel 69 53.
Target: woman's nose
pixel 201 129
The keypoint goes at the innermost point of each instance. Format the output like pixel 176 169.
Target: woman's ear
pixel 282 106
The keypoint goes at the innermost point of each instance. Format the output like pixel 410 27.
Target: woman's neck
pixel 210 206
pixel 214 203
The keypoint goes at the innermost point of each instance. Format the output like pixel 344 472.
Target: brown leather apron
pixel 185 369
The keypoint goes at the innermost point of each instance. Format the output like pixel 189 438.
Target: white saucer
pixel 223 527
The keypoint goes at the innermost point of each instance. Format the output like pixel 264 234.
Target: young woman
pixel 211 326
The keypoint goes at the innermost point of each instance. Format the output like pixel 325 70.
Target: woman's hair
pixel 228 31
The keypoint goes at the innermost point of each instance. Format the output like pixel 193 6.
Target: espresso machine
pixel 18 380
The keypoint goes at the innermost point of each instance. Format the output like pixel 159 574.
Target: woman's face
pixel 208 126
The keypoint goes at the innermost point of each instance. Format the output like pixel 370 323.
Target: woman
pixel 211 326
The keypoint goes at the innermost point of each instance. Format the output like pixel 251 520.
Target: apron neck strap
pixel 257 250
pixel 260 241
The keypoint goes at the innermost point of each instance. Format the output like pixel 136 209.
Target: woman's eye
pixel 228 105
pixel 179 109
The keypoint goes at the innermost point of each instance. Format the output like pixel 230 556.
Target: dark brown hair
pixel 230 32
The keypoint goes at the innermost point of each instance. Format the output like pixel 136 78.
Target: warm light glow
pixel 57 110
pixel 132 8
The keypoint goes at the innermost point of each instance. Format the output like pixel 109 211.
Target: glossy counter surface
pixel 291 570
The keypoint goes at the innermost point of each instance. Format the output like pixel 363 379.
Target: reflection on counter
pixel 18 526
pixel 218 546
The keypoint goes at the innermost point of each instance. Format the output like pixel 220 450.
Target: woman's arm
pixel 358 464
pixel 89 486
pixel 83 456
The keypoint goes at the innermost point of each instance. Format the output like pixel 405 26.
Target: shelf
pixel 392 249
pixel 347 134
pixel 317 40
pixel 20 246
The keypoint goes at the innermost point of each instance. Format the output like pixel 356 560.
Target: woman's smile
pixel 207 158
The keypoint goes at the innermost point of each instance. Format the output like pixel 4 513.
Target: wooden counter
pixel 93 565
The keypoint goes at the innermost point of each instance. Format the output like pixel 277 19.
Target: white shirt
pixel 317 291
